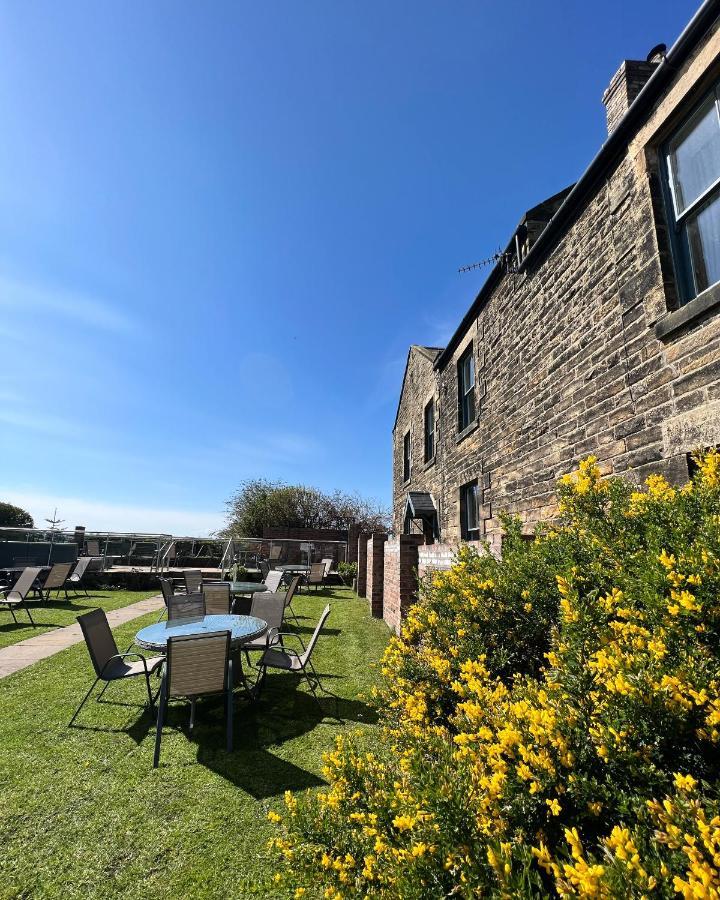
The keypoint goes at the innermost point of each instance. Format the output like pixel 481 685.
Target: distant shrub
pixel 347 571
pixel 550 722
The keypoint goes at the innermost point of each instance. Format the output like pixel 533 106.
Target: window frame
pixel 678 221
pixel 469 489
pixel 466 395
pixel 407 456
pixel 429 435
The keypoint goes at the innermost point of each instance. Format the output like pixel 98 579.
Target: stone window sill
pixel 465 432
pixel 429 464
pixel 407 481
pixel 704 303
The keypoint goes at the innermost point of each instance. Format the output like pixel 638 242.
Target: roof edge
pixel 658 81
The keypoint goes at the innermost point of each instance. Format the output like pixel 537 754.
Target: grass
pixel 56 613
pixel 85 815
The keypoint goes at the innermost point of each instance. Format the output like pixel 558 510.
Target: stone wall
pixel 400 577
pixel 582 351
pixel 375 573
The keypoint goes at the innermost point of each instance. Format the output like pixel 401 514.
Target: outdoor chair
pixel 264 568
pixel 92 548
pixel 217 598
pixel 193 581
pixel 289 660
pixel 76 580
pixel 55 581
pixel 186 606
pixel 16 596
pixel 316 576
pixel 196 666
pixel 291 591
pixel 168 591
pixel 270 608
pixel 328 563
pixel 273 580
pixel 109 665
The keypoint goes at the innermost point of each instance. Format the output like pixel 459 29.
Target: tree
pixel 259 504
pixel 14 517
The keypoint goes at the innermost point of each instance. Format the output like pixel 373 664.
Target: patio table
pixel 241 628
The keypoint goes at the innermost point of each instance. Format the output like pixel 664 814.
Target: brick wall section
pixel 375 572
pixel 362 564
pixel 352 550
pixel 435 558
pixel 569 361
pixel 400 578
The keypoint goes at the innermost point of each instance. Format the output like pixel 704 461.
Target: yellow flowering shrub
pixel 549 722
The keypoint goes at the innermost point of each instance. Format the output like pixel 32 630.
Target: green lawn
pixel 83 814
pixel 55 613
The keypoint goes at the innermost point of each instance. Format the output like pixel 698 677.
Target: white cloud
pixel 115 516
pixel 25 297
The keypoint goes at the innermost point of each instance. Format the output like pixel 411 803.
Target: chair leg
pixel 83 702
pixel 27 610
pixel 229 708
pixel 107 685
pixel 312 690
pixel 192 714
pixel 160 720
pixel 12 613
pixel 151 702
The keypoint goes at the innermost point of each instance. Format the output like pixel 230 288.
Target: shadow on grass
pixel 282 713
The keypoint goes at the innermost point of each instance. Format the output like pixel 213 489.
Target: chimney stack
pixel 626 84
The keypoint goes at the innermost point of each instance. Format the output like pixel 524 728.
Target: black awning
pixel 420 505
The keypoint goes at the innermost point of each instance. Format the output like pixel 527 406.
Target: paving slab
pixel 25 653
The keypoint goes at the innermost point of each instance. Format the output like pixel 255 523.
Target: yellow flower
pixel 555 807
pixel 684 782
pixel 274 817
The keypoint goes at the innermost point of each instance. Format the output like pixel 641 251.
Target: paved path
pixel 25 653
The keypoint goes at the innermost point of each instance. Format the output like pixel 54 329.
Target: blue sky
pixel 223 224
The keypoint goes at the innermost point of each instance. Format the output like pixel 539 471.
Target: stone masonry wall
pixel 420 386
pixel 583 353
pixel 400 577
pixel 375 572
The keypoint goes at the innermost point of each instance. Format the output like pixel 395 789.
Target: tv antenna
pixel 497 257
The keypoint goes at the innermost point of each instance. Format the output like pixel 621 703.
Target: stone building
pixel 597 331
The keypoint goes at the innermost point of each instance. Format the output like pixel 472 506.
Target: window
pixel 406 457
pixel 429 431
pixel 466 389
pixel 469 511
pixel 692 159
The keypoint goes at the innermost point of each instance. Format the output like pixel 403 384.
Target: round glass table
pixel 241 628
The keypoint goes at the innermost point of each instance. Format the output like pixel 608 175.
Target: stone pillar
pixel 362 564
pixel 400 588
pixel 376 572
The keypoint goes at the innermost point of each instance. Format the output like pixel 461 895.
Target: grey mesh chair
pixel 292 590
pixel 109 665
pixel 290 660
pixel 92 548
pixel 264 568
pixel 168 591
pixel 55 581
pixel 76 580
pixel 16 596
pixel 217 598
pixel 316 576
pixel 328 563
pixel 271 609
pixel 186 606
pixel 193 581
pixel 196 666
pixel 275 553
pixel 273 580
